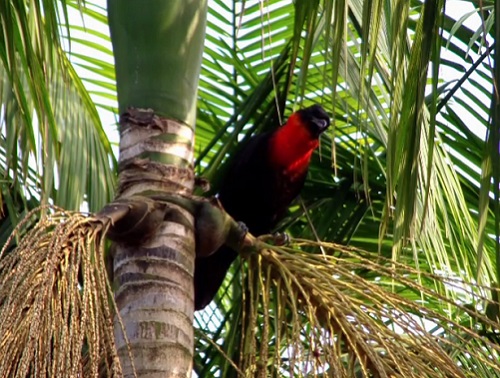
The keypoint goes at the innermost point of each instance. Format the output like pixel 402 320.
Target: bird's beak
pixel 320 125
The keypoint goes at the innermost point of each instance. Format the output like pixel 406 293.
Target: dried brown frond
pixel 315 315
pixel 56 305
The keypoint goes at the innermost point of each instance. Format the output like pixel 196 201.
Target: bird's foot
pixel 202 183
pixel 278 239
pixel 281 239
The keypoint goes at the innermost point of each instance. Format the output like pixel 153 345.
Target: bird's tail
pixel 209 275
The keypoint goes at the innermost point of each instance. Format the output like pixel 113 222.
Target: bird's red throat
pixel 292 146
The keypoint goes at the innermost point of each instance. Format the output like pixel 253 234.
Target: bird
pixel 265 176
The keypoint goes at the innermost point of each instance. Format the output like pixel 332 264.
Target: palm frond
pixel 53 137
pixel 348 313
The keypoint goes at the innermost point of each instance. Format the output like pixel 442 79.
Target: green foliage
pixel 406 172
pixel 53 143
pixel 400 174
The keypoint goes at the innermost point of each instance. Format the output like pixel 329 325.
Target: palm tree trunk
pixel 158 46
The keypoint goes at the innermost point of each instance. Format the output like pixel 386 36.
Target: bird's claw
pixel 281 238
pixel 202 183
pixel 278 239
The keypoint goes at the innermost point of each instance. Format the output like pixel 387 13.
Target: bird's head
pixel 315 119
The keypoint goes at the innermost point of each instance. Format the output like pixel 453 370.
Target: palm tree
pixel 402 190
